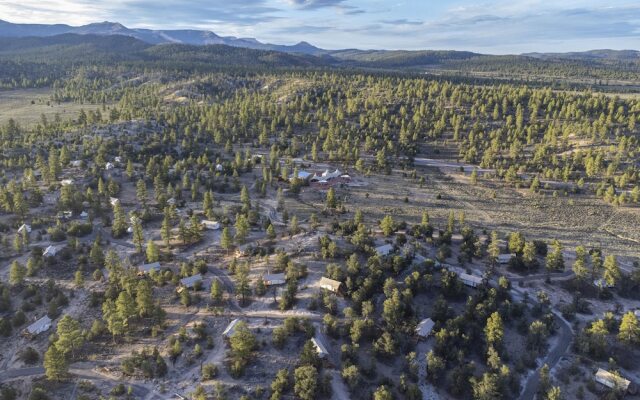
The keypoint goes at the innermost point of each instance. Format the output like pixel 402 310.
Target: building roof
pixel 384 250
pixel 424 327
pixel 191 280
pixel 114 201
pixel 466 278
pixel 302 175
pixel 41 325
pixel 213 225
pixel 274 279
pixel 330 284
pixel 612 380
pixel 50 251
pixel 24 227
pixel 505 258
pixel 66 182
pixel 320 347
pixel 146 268
pixel 231 328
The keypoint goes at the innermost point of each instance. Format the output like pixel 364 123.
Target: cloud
pixel 302 29
pixel 315 4
pixel 401 21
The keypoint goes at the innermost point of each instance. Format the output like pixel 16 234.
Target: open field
pixel 26 106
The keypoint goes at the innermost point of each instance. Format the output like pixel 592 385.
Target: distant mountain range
pixel 591 55
pixel 184 36
pixel 390 58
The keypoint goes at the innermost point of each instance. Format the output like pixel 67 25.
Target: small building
pixel 76 163
pixel 211 225
pixel 384 250
pixel 330 285
pixel 219 167
pixel 109 166
pixel 424 328
pixel 50 251
pixel 118 159
pixel 84 215
pixel 274 279
pixel 147 268
pixel 304 175
pixel 612 381
pixel 66 182
pixel 230 329
pixel 190 281
pixel 320 348
pixel 38 327
pixel 24 227
pixel 505 258
pixel 113 201
pixel 470 280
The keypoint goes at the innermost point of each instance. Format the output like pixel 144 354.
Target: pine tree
pixel 138 233
pixel 216 291
pixel 152 252
pixel 70 337
pixel 611 273
pixel 119 226
pixel 55 364
pixel 17 273
pixel 629 331
pixel 144 298
pixel 271 232
pixel 387 225
pixel 494 330
pixel 331 201
pixel 226 240
pixel 165 231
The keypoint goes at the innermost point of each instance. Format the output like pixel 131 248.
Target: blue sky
pixel 491 26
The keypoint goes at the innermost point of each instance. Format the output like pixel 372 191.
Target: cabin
pixel 470 280
pixel 321 350
pixel 505 258
pixel 612 381
pixel 384 250
pixel 190 281
pixel 38 327
pixel 147 268
pixel 50 251
pixel 330 285
pixel 304 175
pixel 113 201
pixel 424 328
pixel 24 227
pixel 274 279
pixel 66 182
pixel 210 225
pixel 230 329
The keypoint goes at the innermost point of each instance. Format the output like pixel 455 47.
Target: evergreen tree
pixel 152 252
pixel 55 364
pixel 629 331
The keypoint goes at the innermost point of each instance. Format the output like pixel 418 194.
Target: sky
pixel 490 26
